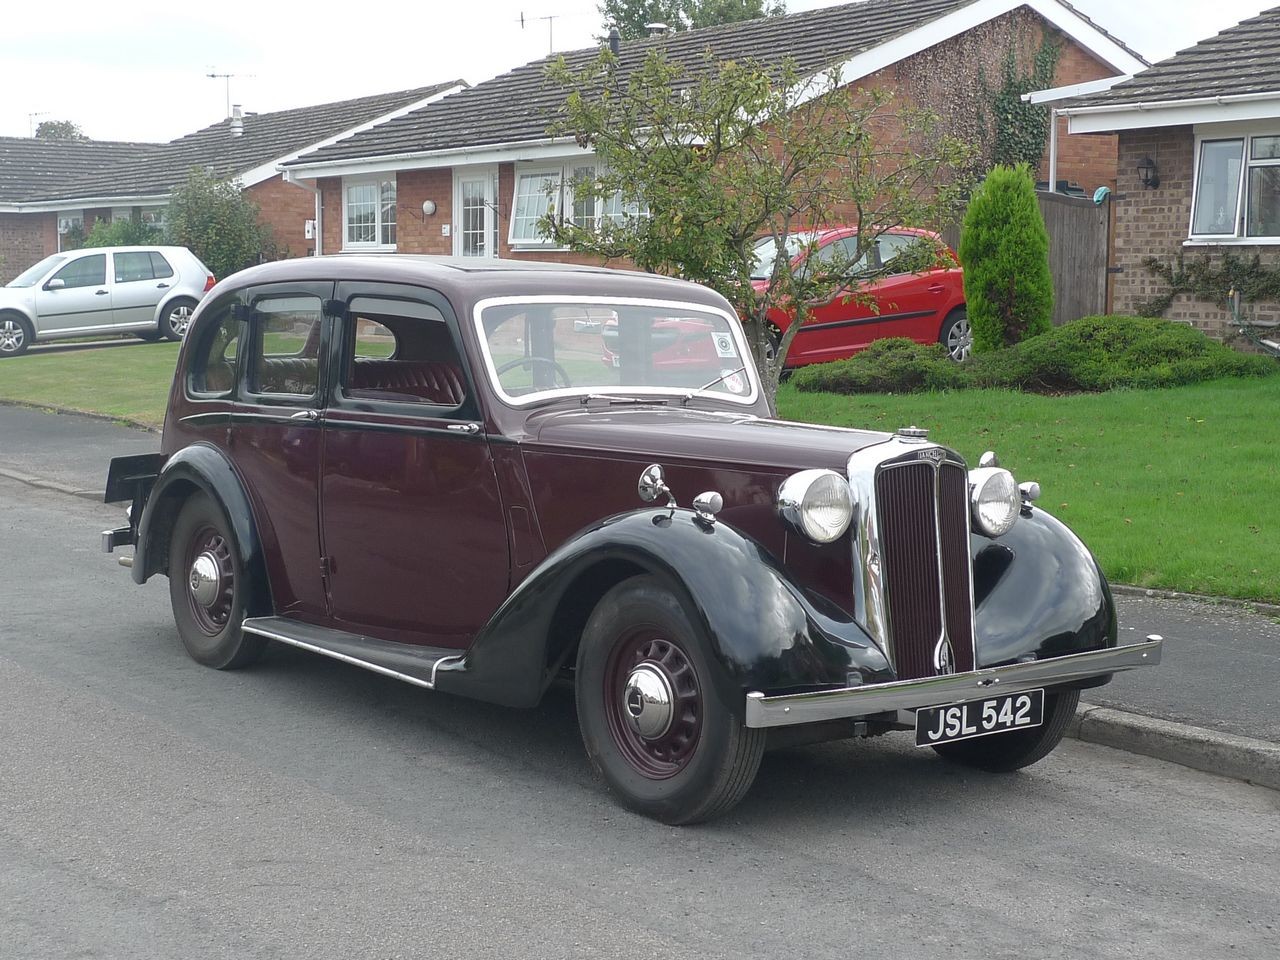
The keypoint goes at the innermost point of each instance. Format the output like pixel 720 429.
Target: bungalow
pixel 1198 170
pixel 51 188
pixel 468 173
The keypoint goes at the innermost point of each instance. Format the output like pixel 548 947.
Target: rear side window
pixel 159 266
pixel 286 350
pixel 213 363
pixel 400 351
pixel 133 266
pixel 84 272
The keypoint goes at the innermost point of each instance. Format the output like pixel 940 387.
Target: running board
pixel 412 664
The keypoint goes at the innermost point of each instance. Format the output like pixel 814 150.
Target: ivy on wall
pixel 1019 129
pixel 1213 281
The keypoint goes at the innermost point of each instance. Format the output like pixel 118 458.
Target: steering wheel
pixel 528 361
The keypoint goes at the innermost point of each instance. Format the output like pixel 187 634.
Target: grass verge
pixel 1171 488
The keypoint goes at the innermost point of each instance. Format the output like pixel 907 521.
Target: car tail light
pixel 209 281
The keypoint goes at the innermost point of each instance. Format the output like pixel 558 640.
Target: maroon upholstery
pixel 431 381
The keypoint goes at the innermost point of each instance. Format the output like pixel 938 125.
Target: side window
pixel 400 351
pixel 159 266
pixel 910 253
pixel 133 266
pixel 286 346
pixel 212 371
pixel 85 272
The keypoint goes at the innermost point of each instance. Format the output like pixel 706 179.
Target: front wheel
pixel 654 725
pixel 176 319
pixel 956 335
pixel 15 335
pixel 1006 752
pixel 208 588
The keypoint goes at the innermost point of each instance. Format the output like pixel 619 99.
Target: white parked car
pixel 147 291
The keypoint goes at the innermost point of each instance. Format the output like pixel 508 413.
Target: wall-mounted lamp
pixel 1148 173
pixel 428 208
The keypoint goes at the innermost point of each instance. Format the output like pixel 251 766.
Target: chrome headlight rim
pixel 804 495
pixel 994 501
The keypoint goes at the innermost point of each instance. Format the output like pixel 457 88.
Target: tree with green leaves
pixel 632 17
pixel 719 174
pixel 219 224
pixel 1004 247
pixel 119 233
pixel 59 130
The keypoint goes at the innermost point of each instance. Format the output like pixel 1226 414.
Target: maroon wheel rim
pixel 658 756
pixel 207 544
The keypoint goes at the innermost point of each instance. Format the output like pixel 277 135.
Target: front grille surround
pixel 918 594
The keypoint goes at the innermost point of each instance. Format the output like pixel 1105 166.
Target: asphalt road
pixel 150 807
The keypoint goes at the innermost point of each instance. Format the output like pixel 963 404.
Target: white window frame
pixel 563 200
pixel 486 171
pixel 1245 133
pixel 376 182
pixel 546 172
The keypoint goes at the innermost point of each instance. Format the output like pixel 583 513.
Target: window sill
pixel 536 248
pixel 1232 242
pixel 369 248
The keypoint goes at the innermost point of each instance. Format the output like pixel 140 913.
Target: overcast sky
pixel 136 70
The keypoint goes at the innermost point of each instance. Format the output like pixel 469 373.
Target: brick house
pixel 1198 165
pixel 48 188
pixel 479 159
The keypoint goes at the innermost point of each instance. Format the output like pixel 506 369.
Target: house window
pixel 539 192
pixel 371 213
pixel 1237 190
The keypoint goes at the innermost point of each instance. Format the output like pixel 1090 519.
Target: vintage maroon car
pixel 926 306
pixel 421 467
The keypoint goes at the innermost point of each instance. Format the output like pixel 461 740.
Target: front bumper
pixel 794 708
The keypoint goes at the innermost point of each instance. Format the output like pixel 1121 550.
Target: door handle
pixel 305 415
pixel 936 288
pixel 162 286
pixel 468 428
pixel 100 293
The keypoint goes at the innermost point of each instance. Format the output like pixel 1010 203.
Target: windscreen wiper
pixel 684 401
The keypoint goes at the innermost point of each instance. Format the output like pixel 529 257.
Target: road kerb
pixel 1224 754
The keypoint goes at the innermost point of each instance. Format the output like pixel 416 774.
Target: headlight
pixel 818 503
pixel 994 500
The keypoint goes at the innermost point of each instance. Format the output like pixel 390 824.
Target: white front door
pixel 475 222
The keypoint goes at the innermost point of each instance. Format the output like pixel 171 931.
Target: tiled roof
pixel 1243 59
pixel 521 105
pixel 266 137
pixel 32 167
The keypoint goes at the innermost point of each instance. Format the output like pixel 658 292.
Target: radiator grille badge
pixel 944 661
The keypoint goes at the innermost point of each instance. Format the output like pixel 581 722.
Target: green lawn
pixel 1175 488
pixel 1171 488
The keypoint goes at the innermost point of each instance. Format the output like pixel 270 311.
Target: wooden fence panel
pixel 1078 248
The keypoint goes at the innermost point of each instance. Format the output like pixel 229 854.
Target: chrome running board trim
pixel 788 709
pixel 415 665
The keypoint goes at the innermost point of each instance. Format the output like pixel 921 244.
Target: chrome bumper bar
pixel 789 709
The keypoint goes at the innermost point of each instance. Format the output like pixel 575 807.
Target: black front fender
pixel 199 467
pixel 764 631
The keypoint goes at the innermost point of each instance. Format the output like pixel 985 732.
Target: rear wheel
pixel 1006 752
pixel 176 318
pixel 15 335
pixel 208 589
pixel 956 335
pixel 654 725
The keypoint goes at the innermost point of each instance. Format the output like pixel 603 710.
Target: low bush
pixel 1086 356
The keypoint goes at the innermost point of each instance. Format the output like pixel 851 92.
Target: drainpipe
pixel 319 207
pixel 1053 150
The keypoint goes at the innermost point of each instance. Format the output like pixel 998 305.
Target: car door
pixel 841 327
pixel 275 436
pixel 137 290
pixel 414 540
pixel 911 303
pixel 76 297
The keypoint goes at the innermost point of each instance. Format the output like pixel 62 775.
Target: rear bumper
pixel 795 708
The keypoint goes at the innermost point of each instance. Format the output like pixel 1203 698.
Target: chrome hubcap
pixel 179 320
pixel 11 336
pixel 205 580
pixel 647 699
pixel 960 340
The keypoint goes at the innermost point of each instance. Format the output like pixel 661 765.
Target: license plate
pixel 979 718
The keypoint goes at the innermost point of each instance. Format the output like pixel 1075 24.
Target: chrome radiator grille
pixel 918 595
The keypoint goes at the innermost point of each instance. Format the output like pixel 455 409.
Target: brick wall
pixel 331 214
pixel 416 233
pixel 285 208
pixel 25 238
pixel 1154 223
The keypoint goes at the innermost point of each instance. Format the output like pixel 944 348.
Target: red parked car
pixel 927 306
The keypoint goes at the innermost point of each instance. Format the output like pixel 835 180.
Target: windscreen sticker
pixel 733 381
pixel 724 346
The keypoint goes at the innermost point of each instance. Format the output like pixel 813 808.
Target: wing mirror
pixel 57 283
